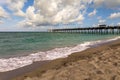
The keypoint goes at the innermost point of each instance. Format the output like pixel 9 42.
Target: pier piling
pixel 92 30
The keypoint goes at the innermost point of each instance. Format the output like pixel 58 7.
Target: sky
pixel 41 15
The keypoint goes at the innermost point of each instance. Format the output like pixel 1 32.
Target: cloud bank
pixel 58 12
pixel 54 12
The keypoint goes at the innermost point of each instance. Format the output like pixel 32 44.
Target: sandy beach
pixel 98 63
pixel 59 39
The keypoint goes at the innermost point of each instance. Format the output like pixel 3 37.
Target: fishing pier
pixel 101 29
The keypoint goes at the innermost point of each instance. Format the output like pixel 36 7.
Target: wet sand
pixel 97 63
pixel 9 75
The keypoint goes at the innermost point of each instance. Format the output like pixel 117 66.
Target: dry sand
pixel 99 63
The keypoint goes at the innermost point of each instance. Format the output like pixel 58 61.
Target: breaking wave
pixel 17 62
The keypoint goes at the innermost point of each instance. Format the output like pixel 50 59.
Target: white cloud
pixel 54 12
pixel 16 6
pixel 1 22
pixel 118 24
pixel 95 25
pixel 112 3
pixel 92 13
pixel 79 19
pixel 102 21
pixel 98 3
pixel 114 15
pixel 47 8
pixel 107 3
pixel 67 14
pixel 3 13
pixel 19 13
pixel 30 13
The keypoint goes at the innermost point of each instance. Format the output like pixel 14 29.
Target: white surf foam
pixel 17 62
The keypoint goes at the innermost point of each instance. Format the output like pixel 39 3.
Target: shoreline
pixel 18 62
pixel 42 67
pixel 9 75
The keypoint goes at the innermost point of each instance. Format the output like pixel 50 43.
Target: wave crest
pixel 17 62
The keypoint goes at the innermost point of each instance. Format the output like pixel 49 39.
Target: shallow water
pixel 20 43
pixel 36 46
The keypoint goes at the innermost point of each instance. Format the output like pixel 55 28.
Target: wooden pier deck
pixel 93 30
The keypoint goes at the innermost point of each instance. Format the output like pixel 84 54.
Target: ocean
pixel 18 49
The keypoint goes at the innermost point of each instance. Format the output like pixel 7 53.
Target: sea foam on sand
pixel 17 62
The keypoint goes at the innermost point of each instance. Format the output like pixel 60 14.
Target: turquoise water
pixel 21 43
pixel 18 49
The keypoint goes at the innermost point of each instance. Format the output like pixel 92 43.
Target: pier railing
pixel 93 30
